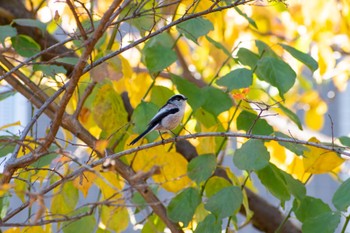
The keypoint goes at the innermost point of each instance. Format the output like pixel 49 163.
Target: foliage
pixel 242 64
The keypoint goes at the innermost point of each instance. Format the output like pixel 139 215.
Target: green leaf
pixel 341 198
pixel 31 23
pixel 246 120
pixel 309 207
pixel 114 218
pixel 250 20
pixel 84 224
pixel 7 145
pixel 68 60
pixel 345 141
pixel 206 118
pixel 253 155
pixel 142 114
pixel 44 160
pixel 190 90
pixel 6 94
pixel 302 57
pixel 215 184
pixel 153 224
pixel 6 31
pixel 291 115
pixel 65 199
pixel 236 79
pixel 247 57
pixel 4 205
pixel 225 202
pixel 25 45
pixel 159 94
pixel 49 70
pixel 158 58
pixel 295 148
pixel 273 179
pixel 209 225
pixel 201 168
pixel 265 50
pixel 325 223
pixel 296 188
pixel 213 96
pixel 219 46
pixel 194 28
pixel 277 73
pixel 182 207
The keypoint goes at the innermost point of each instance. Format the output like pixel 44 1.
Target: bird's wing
pixel 161 114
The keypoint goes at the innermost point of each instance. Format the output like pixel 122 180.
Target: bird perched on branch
pixel 167 118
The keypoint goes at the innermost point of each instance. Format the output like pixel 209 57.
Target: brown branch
pixel 76 17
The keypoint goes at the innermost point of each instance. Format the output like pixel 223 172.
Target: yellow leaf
pixel 33 229
pixel 109 184
pixel 114 218
pixel 13 230
pixel 173 167
pixel 108 110
pixel 101 145
pixel 17 123
pixel 5 189
pixel 296 169
pixel 84 182
pixel 277 153
pixel 318 161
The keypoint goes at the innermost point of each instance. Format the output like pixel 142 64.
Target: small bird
pixel 167 118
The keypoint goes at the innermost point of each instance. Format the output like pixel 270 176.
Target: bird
pixel 167 118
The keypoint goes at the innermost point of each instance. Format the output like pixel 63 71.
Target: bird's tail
pixel 141 136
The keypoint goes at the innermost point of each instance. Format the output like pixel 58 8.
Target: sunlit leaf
pixel 249 121
pixel 25 45
pixel 211 224
pixel 108 110
pixel 194 28
pixel 236 79
pixel 215 184
pixel 65 199
pixel 182 207
pixel 277 73
pixel 153 224
pixel 115 218
pixel 6 31
pixel 318 161
pixel 173 167
pixel 341 199
pixel 225 202
pixel 201 167
pixel 84 182
pixel 253 155
pixel 303 57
